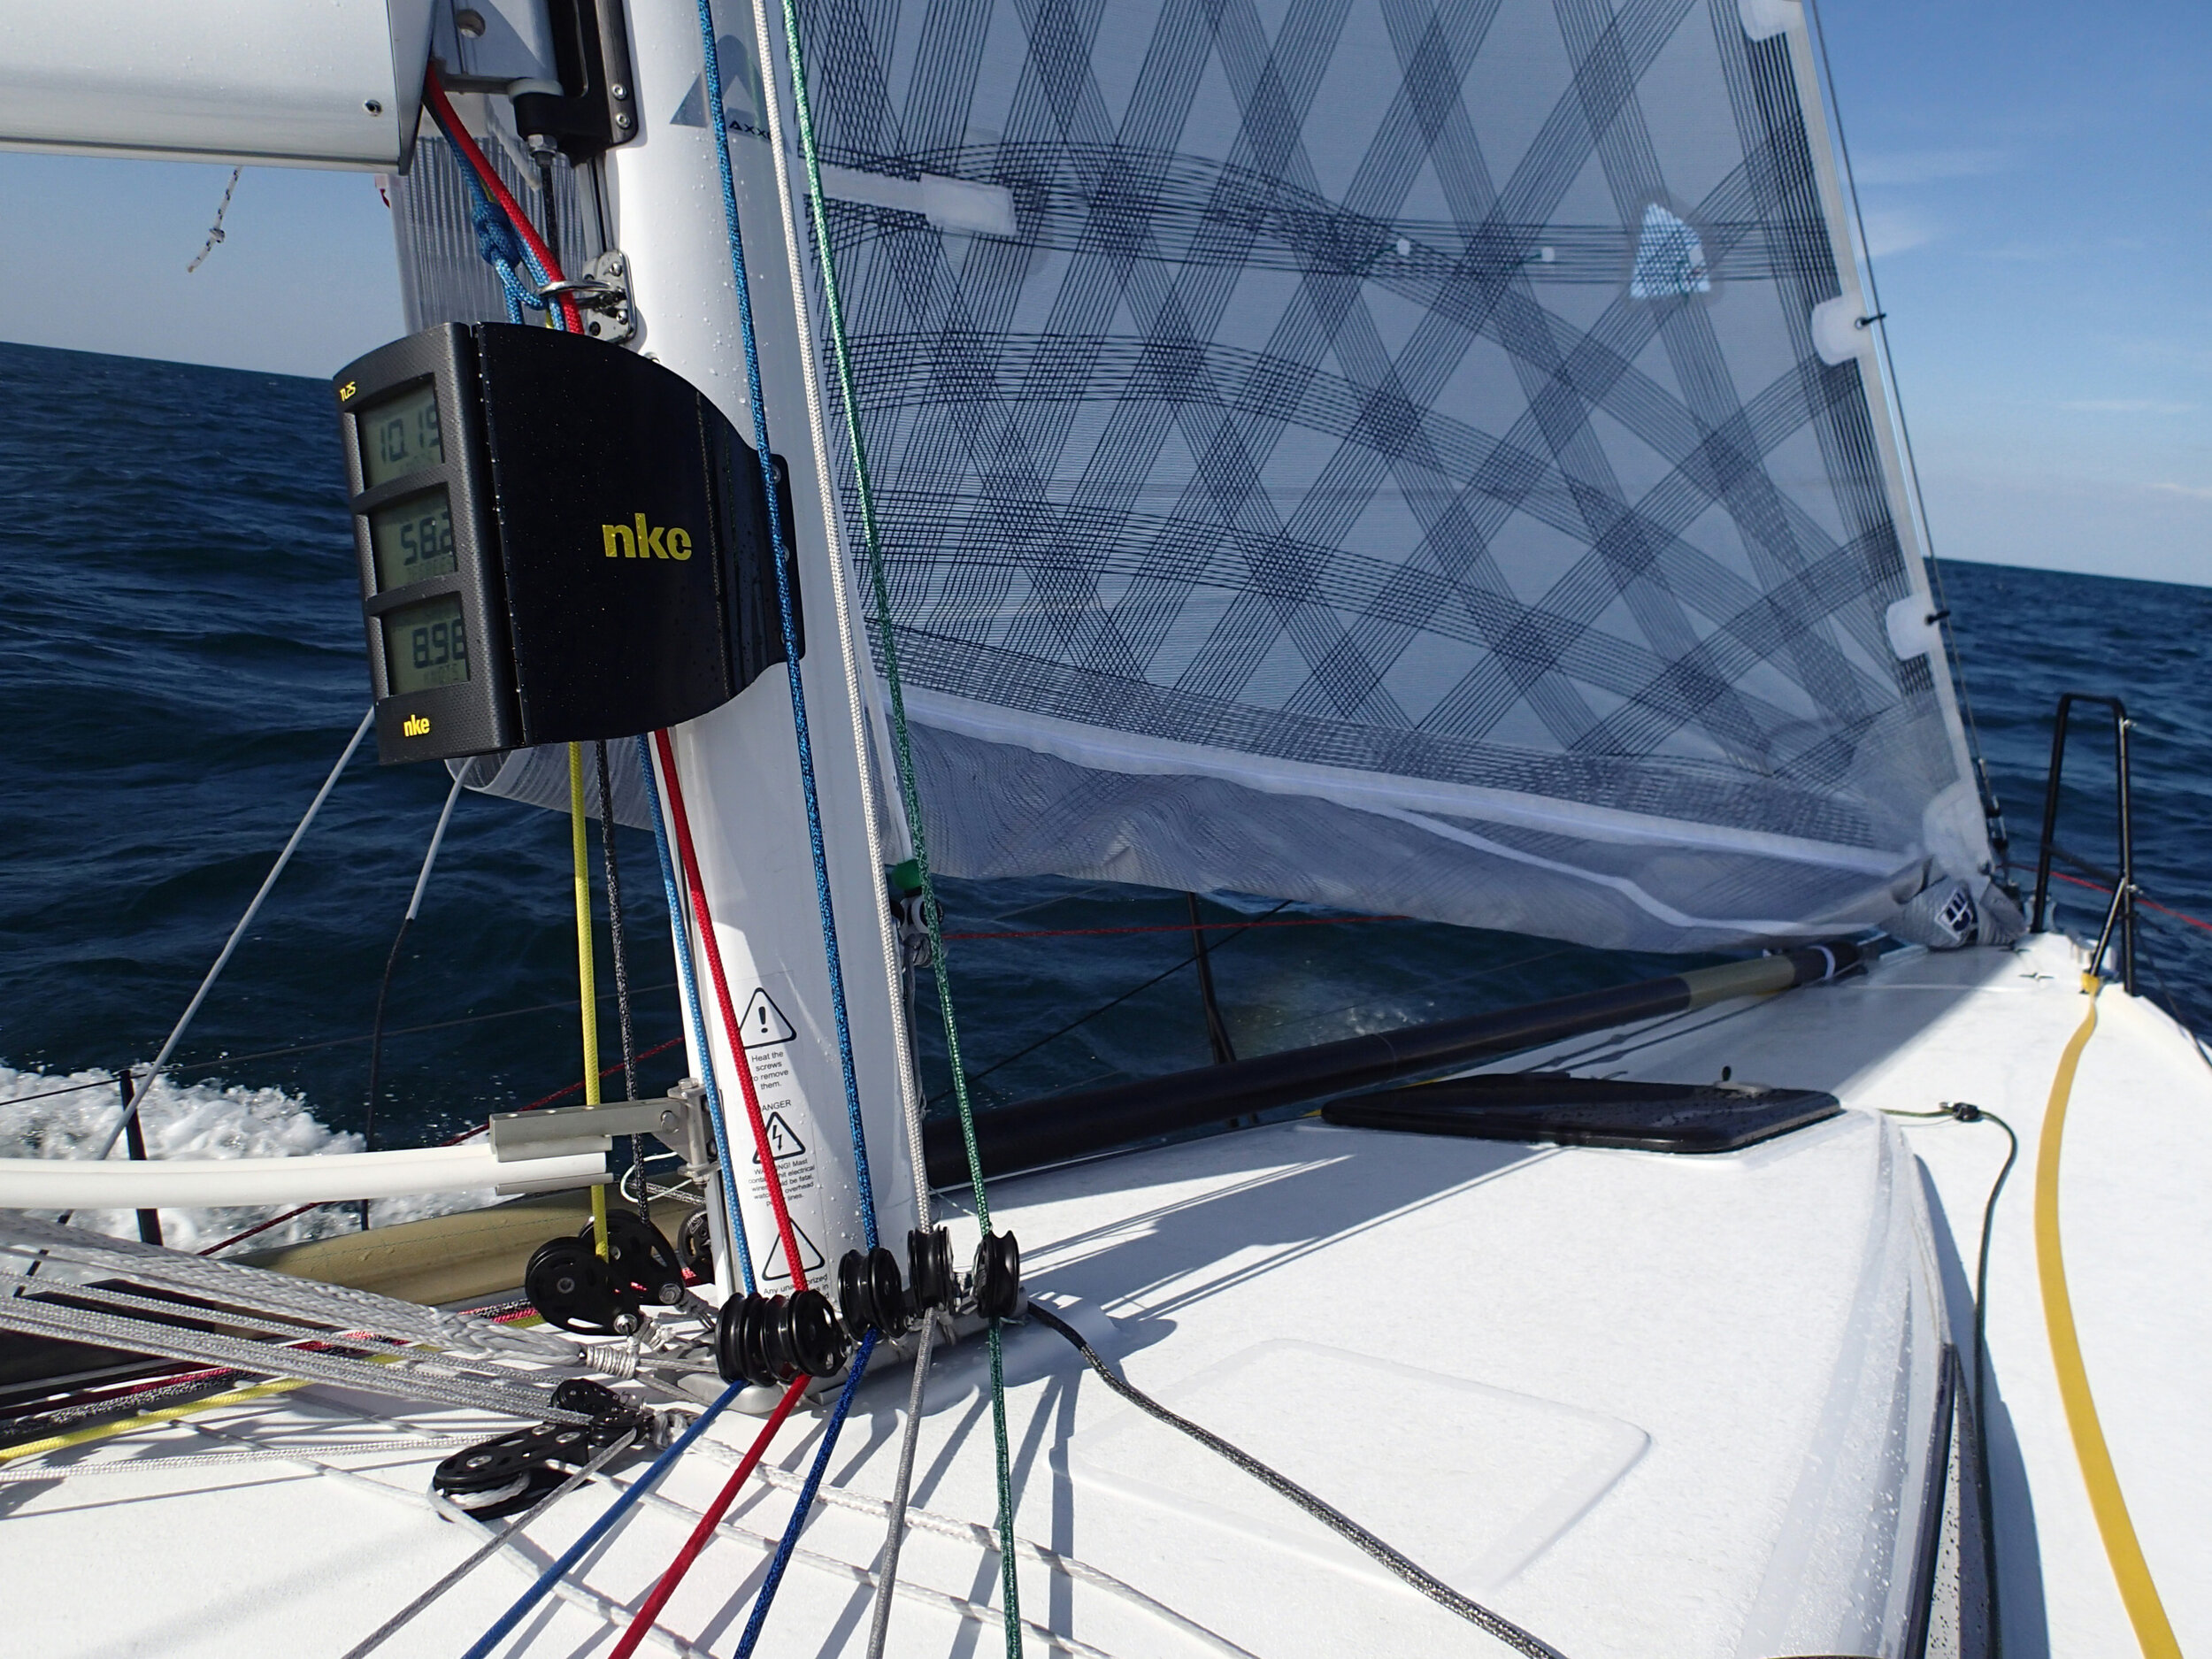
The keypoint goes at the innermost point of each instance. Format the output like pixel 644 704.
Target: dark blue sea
pixel 182 660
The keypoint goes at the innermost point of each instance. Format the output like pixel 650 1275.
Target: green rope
pixel 909 796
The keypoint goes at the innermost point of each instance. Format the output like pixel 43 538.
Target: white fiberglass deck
pixel 1639 1403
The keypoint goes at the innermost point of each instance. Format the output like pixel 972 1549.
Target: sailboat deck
pixel 1617 1395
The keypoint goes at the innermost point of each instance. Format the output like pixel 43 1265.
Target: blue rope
pixel 712 69
pixel 789 1541
pixel 501 247
pixel 597 1530
pixel 698 1018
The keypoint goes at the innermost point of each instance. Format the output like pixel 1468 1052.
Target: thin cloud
pixel 2128 406
pixel 1892 231
pixel 2194 492
pixel 1927 167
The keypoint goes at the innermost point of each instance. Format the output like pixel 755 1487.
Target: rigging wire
pixel 679 930
pixel 1427 1582
pixel 491 1547
pixel 384 987
pixel 800 1510
pixel 909 797
pixel 711 73
pixel 711 1518
pixel 222 960
pixel 598 1529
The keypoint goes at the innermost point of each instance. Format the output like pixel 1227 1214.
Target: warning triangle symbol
pixel 777 1268
pixel 782 1141
pixel 763 1024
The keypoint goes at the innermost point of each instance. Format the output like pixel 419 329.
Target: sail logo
pixel 415 725
pixel 645 540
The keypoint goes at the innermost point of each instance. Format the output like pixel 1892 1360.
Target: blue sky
pixel 2037 179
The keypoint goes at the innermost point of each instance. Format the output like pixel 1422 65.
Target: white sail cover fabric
pixel 1382 452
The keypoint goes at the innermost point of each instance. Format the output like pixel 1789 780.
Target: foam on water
pixel 49 1115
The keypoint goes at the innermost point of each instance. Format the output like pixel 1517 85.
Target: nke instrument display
pixel 558 541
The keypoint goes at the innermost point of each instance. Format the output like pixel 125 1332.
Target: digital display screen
pixel 400 435
pixel 425 647
pixel 412 540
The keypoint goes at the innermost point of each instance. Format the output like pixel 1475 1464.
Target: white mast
pixel 739 766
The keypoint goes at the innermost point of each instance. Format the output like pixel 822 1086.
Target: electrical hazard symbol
pixel 763 1024
pixel 778 1268
pixel 783 1141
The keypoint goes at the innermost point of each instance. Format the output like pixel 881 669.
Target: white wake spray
pixel 53 1115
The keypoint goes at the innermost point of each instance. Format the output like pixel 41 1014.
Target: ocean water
pixel 180 662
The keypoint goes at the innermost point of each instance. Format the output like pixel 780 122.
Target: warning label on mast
pixel 777 1268
pixel 763 1023
pixel 783 1140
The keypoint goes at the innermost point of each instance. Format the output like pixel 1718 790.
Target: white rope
pixel 215 231
pixel 159 1465
pixel 984 1538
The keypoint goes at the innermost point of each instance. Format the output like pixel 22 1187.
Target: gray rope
pixel 142 1336
pixel 492 1546
pixel 888 1573
pixel 1427 1582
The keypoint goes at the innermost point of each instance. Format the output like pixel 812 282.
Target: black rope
pixel 1105 1007
pixel 1217 1027
pixel 1427 1582
pixel 614 914
pixel 376 1050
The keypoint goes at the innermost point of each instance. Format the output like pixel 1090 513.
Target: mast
pixel 739 767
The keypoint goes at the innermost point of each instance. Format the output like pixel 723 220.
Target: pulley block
pixel 511 1472
pixel 570 1286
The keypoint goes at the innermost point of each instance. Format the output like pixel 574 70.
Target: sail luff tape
pixel 2138 1591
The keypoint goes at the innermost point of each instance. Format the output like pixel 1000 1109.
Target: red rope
pixel 2151 904
pixel 1178 927
pixel 687 860
pixel 543 1099
pixel 457 135
pixel 674 1575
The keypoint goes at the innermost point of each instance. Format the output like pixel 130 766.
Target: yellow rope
pixel 146 1419
pixel 586 980
pixel 2146 1612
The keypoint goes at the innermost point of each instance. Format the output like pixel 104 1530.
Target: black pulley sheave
pixel 571 1287
pixel 766 1340
pixel 511 1472
pixel 995 1287
pixel 870 1295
